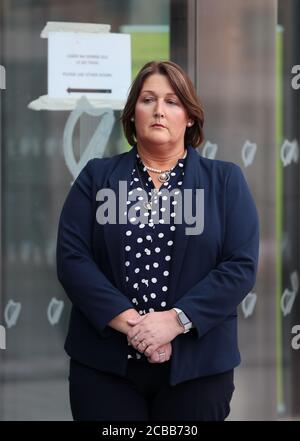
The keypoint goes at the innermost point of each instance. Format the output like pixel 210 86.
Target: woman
pixel 153 328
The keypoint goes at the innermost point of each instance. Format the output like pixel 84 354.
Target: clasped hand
pixel 152 334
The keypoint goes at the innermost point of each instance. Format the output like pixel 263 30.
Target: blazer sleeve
pixel 218 294
pixel 87 287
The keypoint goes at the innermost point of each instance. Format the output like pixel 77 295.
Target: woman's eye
pixel 147 100
pixel 172 102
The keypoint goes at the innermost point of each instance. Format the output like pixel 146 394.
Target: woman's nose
pixel 159 111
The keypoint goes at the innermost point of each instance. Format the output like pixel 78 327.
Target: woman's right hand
pixel 156 358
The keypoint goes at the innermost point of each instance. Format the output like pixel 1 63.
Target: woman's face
pixel 160 117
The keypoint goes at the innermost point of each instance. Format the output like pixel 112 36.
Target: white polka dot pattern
pixel 148 247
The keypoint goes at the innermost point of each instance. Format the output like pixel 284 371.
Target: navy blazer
pixel 210 273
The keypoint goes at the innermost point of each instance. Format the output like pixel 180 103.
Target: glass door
pixel 36 177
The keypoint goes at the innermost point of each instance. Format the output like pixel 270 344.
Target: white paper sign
pixel 95 65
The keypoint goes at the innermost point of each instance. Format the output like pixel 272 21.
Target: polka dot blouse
pixel 148 246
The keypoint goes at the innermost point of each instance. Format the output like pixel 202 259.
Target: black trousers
pixel 145 394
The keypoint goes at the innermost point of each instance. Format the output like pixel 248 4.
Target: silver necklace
pixel 164 175
pixel 148 204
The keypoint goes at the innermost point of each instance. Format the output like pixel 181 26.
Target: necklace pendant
pixel 164 177
pixel 147 205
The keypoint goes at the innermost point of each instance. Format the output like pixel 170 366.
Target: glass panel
pixel 288 208
pixel 35 182
pixel 236 80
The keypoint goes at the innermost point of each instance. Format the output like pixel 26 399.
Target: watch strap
pixel 186 326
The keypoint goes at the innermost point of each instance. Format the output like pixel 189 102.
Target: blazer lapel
pixel 113 233
pixel 191 181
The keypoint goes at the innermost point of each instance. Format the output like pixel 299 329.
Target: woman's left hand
pixel 162 354
pixel 155 329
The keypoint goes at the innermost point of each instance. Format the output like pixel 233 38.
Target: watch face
pixel 183 318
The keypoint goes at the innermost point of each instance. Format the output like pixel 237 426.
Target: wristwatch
pixel 183 320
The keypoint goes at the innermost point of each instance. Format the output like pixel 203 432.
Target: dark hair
pixel 184 89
